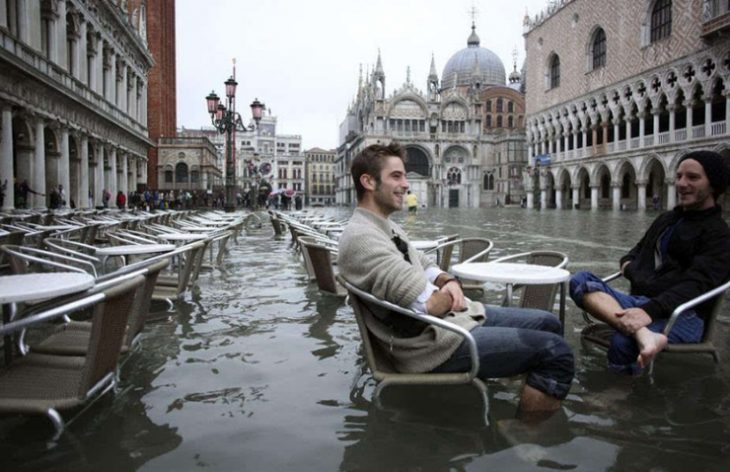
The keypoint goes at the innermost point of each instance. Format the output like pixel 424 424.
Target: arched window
pixel 599 49
pixel 168 176
pixel 489 121
pixel 489 105
pixel 181 172
pixel 488 181
pixel 510 122
pixel 417 161
pixel 499 121
pixel 453 177
pixel 554 71
pixel 661 20
pixel 500 106
pixel 510 107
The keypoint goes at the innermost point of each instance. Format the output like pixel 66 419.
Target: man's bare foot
pixel 650 344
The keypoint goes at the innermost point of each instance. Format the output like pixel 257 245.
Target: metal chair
pixel 379 362
pixel 41 384
pixel 541 297
pixel 600 333
pixel 320 258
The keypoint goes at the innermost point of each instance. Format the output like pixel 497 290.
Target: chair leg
pixel 57 421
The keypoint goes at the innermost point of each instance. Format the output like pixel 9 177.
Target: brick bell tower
pixel 162 88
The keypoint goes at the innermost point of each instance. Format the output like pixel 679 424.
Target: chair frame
pixel 705 346
pixel 381 367
pixel 541 297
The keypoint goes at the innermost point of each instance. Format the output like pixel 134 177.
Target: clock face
pixel 265 168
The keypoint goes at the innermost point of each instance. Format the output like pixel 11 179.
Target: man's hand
pixel 453 289
pixel 632 319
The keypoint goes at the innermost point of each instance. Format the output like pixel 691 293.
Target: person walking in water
pixel 411 202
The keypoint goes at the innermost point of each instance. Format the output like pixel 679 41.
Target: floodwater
pixel 260 372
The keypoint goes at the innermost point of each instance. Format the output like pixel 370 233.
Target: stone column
pixel 641 194
pixel 689 118
pixel 39 166
pixel 584 134
pixel 594 197
pixel 125 175
pixel 4 16
pixel 672 121
pixel 98 174
pixel 82 195
pixel 616 197
pixel 6 158
pixel 642 128
pixel 24 24
pixel 82 63
pixel 565 142
pixel 133 172
pixel 60 40
pixel 575 141
pixel 576 196
pixel 708 116
pixel 671 194
pixel 655 129
pixel 615 133
pixel 559 199
pixel 628 134
pixel 113 177
pixel 65 165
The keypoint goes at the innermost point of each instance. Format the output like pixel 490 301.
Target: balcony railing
pixel 715 16
pixel 698 131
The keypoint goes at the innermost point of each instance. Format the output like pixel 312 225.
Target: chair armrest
pixel 692 303
pixel 429 319
pixel 613 276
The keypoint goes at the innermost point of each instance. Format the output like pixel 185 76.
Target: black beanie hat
pixel 718 172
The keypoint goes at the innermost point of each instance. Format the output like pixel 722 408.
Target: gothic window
pixel 489 181
pixel 599 49
pixel 554 71
pixel 661 20
pixel 181 172
pixel 453 177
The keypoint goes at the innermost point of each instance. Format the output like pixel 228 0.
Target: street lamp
pixel 226 120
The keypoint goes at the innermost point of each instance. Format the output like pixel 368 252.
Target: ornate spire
pixel 379 66
pixel 473 41
pixel 432 75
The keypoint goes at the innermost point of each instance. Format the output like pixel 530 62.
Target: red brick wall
pixel 162 91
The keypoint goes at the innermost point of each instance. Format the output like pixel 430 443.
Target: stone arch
pixel 181 173
pixel 402 100
pixel 602 179
pixel 74 172
pixel 52 159
pixel 418 161
pixel 655 175
pixel 455 154
pixel 625 176
pixel 549 186
pixel 564 184
pixel 582 182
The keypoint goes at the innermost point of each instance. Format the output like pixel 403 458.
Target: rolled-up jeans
pixel 516 341
pixel 624 351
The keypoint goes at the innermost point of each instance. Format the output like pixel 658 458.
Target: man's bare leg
pixel 650 344
pixel 603 306
pixel 533 400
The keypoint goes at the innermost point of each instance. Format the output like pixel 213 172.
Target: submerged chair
pixel 71 338
pixel 600 333
pixel 470 250
pixel 541 297
pixel 40 384
pixel 320 258
pixel 380 363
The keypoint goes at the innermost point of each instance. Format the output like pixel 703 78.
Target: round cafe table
pixel 36 286
pixel 510 273
pixel 131 250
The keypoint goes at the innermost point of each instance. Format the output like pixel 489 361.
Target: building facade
pixel 320 177
pixel 73 98
pixel 611 112
pixel 189 163
pixel 464 135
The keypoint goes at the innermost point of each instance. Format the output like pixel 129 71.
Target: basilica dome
pixel 470 61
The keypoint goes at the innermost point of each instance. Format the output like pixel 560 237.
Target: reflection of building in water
pixel 464 135
pixel 611 112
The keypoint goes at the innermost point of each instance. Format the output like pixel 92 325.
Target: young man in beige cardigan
pixel 375 255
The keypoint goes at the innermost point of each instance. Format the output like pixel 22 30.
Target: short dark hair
pixel 370 161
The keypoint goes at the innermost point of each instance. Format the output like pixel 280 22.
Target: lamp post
pixel 227 121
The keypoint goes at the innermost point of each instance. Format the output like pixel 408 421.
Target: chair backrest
pixel 23 260
pixel 538 296
pixel 142 300
pixel 321 260
pixel 108 327
pixel 474 249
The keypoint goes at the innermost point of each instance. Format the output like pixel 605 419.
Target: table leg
pixel 562 307
pixel 7 310
pixel 509 294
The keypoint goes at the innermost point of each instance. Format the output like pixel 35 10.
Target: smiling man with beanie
pixel 684 253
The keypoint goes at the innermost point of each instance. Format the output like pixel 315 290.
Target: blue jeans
pixel 514 341
pixel 624 350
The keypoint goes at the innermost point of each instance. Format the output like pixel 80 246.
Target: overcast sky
pixel 302 57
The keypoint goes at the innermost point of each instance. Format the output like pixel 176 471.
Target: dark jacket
pixel 697 260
